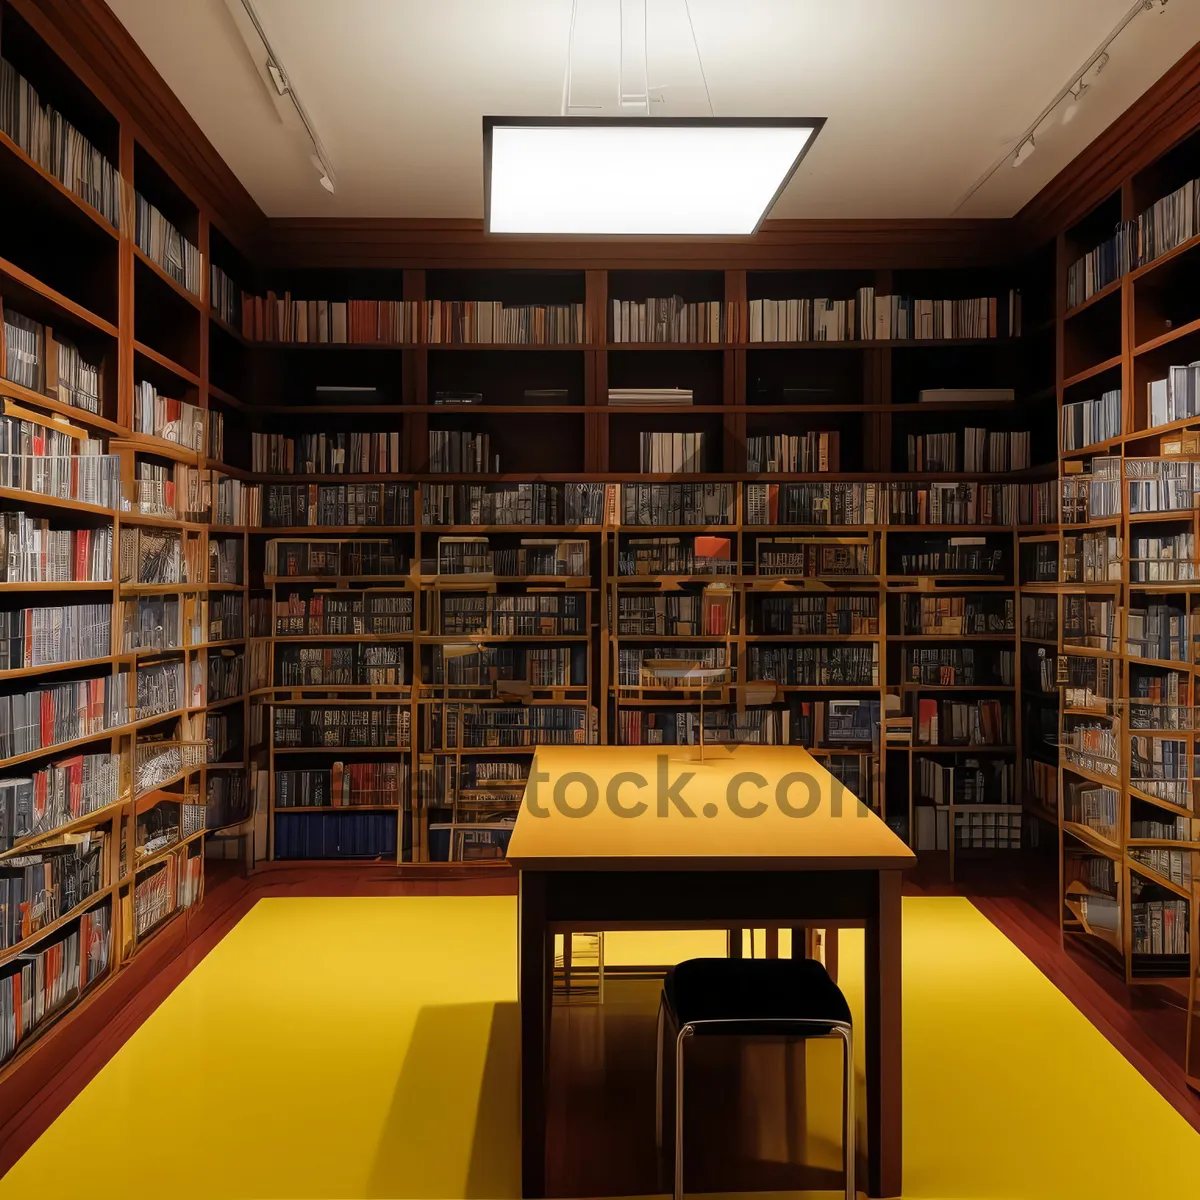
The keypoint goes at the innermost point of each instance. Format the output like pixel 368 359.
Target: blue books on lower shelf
pixel 335 835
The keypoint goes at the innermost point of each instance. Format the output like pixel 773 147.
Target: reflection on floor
pixel 362 1046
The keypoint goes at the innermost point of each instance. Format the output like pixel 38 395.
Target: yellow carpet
pixel 365 1047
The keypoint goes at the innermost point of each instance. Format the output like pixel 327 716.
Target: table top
pixel 747 807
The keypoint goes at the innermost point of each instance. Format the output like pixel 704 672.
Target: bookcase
pixel 627 518
pixel 1129 450
pixel 123 694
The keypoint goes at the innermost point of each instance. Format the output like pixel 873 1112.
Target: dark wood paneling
pixel 303 242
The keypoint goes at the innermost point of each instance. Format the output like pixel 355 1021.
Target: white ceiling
pixel 921 96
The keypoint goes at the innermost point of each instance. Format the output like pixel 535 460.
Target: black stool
pixel 753 997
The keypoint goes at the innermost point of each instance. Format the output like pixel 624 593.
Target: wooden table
pixel 711 848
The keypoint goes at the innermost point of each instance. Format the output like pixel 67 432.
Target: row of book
pixel 543 614
pixel 150 555
pixel 36 457
pixel 224 296
pixel 335 726
pixel 51 977
pixel 993 451
pixel 811 666
pixel 48 138
pixel 343 785
pixel 162 688
pixel 1089 422
pixel 964 723
pixel 1092 558
pixel 1039 618
pixel 536 666
pixel 551 557
pixel 669 666
pixel 449 782
pixel 329 666
pixel 325 453
pixel 1168 222
pixel 677 614
pixel 805 453
pixel 1159 927
pixel 664 727
pixel 288 505
pixel 32 551
pixel 38 889
pixel 274 318
pixel 167 418
pixel 461 452
pixel 871 317
pixel 1156 485
pixel 969 781
pixel 472 726
pixel 226 675
pixel 944 666
pixel 957 616
pixel 56 795
pixel 373 612
pixel 1157 630
pixel 163 244
pixel 61 712
pixel 1175 397
pixel 38 358
pixel 675 453
pixel 815 615
pixel 335 835
pixel 700 555
pixel 513 504
pixel 1163 558
pixel 359 558
pixel 225 560
pixel 47 637
pixel 673 319
pixel 168 887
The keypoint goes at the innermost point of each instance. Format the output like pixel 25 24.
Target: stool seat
pixel 754 991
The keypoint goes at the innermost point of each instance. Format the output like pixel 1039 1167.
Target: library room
pixel 603 594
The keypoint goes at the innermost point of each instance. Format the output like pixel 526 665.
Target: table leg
pixel 883 1033
pixel 536 976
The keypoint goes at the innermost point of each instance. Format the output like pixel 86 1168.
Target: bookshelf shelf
pixel 161 277
pixel 21 171
pixel 161 360
pixel 1108 364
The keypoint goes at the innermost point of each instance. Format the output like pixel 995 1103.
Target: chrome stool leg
pixel 684 1033
pixel 849 1132
pixel 658 1077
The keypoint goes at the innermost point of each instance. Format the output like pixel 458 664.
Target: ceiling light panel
pixel 629 175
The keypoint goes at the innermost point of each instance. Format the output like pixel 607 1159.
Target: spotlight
pixel 1025 149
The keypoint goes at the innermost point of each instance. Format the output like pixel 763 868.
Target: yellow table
pixel 650 837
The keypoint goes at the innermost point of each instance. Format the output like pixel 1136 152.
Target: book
pixel 163 244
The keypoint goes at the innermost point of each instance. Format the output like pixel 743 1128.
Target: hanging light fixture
pixel 629 175
pixel 637 175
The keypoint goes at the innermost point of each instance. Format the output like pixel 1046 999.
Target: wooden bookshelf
pixel 1128 862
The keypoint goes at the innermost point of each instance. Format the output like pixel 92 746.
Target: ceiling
pixel 922 97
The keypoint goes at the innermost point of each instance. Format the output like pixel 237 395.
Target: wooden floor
pixel 1146 1025
pixel 396 1017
